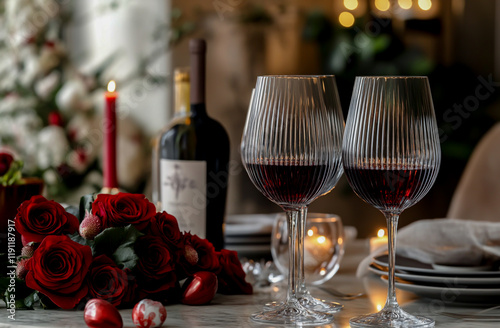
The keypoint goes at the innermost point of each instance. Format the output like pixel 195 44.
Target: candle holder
pixel 323 246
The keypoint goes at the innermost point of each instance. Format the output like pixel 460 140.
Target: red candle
pixel 109 127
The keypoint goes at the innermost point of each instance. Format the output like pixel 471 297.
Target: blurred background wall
pixel 454 42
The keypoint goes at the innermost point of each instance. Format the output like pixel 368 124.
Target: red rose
pixel 39 217
pixel 232 277
pixel 155 259
pixel 123 209
pixel 5 160
pixel 166 226
pixel 198 255
pixel 106 281
pixel 155 266
pixel 58 269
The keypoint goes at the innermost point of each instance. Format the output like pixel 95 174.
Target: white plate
pixel 249 240
pixel 447 281
pixel 413 266
pixel 451 294
pixel 249 224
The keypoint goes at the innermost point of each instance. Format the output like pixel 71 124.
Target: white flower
pixel 52 147
pixel 50 57
pixel 79 160
pixel 13 103
pixel 22 22
pixel 26 123
pixel 9 104
pixel 8 71
pixel 73 96
pixel 87 132
pixel 29 73
pixel 44 87
pixel 50 177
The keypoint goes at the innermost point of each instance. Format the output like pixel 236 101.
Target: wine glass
pixel 291 151
pixel 391 157
pixel 323 243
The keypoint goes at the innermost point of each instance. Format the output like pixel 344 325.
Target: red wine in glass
pixel 390 187
pixel 288 182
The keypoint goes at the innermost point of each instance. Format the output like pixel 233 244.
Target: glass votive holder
pixel 323 246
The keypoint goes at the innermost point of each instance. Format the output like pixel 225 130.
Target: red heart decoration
pixel 200 288
pixel 101 314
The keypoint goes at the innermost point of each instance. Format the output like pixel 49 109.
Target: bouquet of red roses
pixel 122 251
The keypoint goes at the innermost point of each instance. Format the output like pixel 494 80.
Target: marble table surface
pixel 234 311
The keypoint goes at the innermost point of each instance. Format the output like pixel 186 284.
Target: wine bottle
pixel 181 113
pixel 193 161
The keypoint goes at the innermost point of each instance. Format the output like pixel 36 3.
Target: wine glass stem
pixel 293 246
pixel 300 240
pixel 392 225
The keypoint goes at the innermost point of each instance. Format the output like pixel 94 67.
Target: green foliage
pixel 13 175
pixel 25 297
pixel 86 205
pixel 117 244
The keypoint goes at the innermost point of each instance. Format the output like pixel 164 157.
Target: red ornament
pixel 55 118
pixel 200 288
pixel 101 314
pixel 149 314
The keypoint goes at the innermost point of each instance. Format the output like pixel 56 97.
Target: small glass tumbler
pixel 323 246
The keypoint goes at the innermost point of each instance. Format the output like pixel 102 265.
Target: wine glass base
pixel 395 317
pixel 316 304
pixel 291 313
pixel 310 303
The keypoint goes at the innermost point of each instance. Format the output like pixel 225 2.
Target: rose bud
pixel 5 160
pixel 190 255
pixel 149 314
pixel 91 226
pixel 200 288
pixel 28 250
pixel 21 269
pixel 101 314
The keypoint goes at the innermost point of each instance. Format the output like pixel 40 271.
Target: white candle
pixel 379 241
pixel 318 248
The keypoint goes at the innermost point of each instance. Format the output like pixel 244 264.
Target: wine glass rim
pixel 299 76
pixel 395 77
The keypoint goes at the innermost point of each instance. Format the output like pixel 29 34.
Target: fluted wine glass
pixel 391 156
pixel 291 150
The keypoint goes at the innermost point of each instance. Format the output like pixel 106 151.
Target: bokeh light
pixel 346 19
pixel 425 4
pixel 351 4
pixel 405 4
pixel 382 5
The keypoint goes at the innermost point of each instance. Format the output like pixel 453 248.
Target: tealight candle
pixel 379 241
pixel 317 248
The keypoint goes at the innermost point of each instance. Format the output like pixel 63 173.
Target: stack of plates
pixel 446 283
pixel 250 234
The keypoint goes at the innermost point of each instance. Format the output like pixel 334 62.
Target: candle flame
pixel 310 232
pixel 381 233
pixel 321 239
pixel 111 86
pixel 379 307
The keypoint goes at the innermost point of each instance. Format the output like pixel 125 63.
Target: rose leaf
pixel 79 239
pixel 86 205
pixel 118 244
pixel 31 299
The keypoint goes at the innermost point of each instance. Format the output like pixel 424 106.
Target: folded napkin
pixel 446 242
pixel 450 241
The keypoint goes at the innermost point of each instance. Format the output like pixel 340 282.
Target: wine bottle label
pixel 183 193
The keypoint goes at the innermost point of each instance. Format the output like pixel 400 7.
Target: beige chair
pixel 477 196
